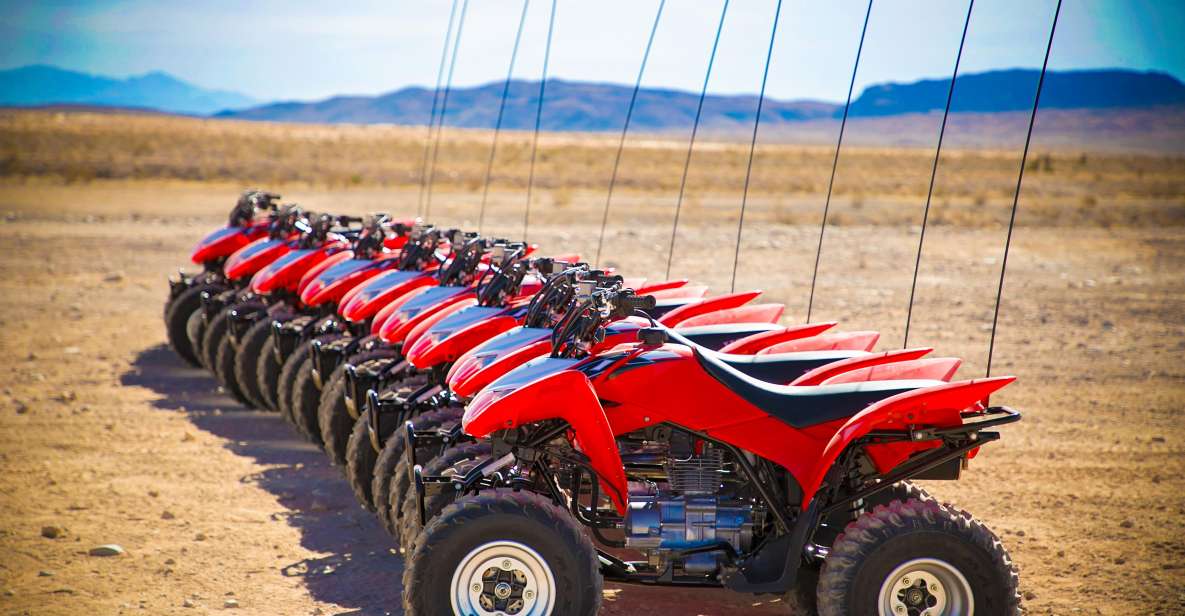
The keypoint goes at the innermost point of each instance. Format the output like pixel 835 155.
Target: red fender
pixel 225 241
pixel 376 295
pixel 499 409
pixel 320 268
pixel 437 347
pixel 753 313
pixel 253 257
pixel 933 369
pixel 396 328
pixel 822 373
pixel 662 285
pixel 418 331
pixel 732 300
pixel 756 342
pixel 937 406
pixel 383 315
pixel 286 271
pixel 842 341
pixel 480 366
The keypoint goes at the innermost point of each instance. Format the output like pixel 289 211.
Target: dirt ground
pixel 106 437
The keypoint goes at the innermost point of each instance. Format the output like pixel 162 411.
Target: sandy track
pixel 103 432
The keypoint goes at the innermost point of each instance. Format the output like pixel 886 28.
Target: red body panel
pixel 679 291
pixel 334 282
pixel 253 257
pixel 694 309
pixel 422 328
pixel 653 287
pixel 753 313
pixel 449 338
pixel 225 241
pixel 396 327
pixel 381 317
pixel 537 402
pixel 842 341
pixel 372 296
pixel 756 342
pixel 318 269
pixel 286 271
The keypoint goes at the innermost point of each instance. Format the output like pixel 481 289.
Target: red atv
pixel 687 471
pixel 248 222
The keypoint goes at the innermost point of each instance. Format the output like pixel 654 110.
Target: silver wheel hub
pixel 926 587
pixel 503 578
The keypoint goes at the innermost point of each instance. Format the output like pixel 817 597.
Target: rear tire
pixel 177 319
pixel 332 417
pixel 247 360
pixel 435 502
pixel 288 374
pixel 267 374
pixel 910 556
pixel 360 458
pixel 390 469
pixel 548 553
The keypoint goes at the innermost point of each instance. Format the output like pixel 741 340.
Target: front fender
pixel 939 406
pixel 704 306
pixel 501 408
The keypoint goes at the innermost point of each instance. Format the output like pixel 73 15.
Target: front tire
pixel 224 364
pixel 486 552
pixel 288 374
pixel 435 502
pixel 247 360
pixel 332 416
pixel 360 458
pixel 390 469
pixel 914 556
pixel 216 332
pixel 177 319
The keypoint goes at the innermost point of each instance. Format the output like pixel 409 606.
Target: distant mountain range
pixel 581 106
pixel 39 85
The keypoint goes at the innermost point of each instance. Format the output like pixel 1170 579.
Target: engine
pixel 690 503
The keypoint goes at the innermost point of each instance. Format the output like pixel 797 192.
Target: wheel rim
pixel 926 587
pixel 503 577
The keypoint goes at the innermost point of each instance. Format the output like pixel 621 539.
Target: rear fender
pixel 841 341
pixel 695 290
pixel 932 369
pixel 937 406
pixel 753 313
pixel 320 268
pixel 221 243
pixel 754 343
pixel 704 306
pixel 253 257
pixel 662 285
pixel 494 409
pixel 826 371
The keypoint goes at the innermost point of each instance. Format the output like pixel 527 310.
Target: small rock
pixel 1061 553
pixel 109 549
pixel 8 592
pixel 167 515
pixel 66 396
pixel 153 493
pixel 1120 560
pixel 199 537
pixel 72 350
pixel 187 438
pixel 113 277
pixel 1126 524
pixel 188 603
pixel 21 408
pixel 1030 595
pixel 1158 439
pixel 44 573
pixel 1020 533
pixel 170 561
pixel 52 532
pixel 230 604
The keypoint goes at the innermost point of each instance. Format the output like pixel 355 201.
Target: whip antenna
pixel 485 193
pixel 1019 180
pixel 538 120
pixel 448 86
pixel 835 163
pixel 629 114
pixel 694 129
pixel 913 287
pixel 448 35
pixel 773 34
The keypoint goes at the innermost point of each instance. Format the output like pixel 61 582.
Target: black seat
pixel 783 367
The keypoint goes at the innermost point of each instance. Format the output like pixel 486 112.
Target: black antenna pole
pixel 485 193
pixel 835 163
pixel 1019 180
pixel 538 120
pixel 950 93
pixel 444 107
pixel 699 110
pixel 629 114
pixel 448 35
pixel 773 34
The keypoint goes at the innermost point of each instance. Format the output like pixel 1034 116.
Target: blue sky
pixel 293 49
